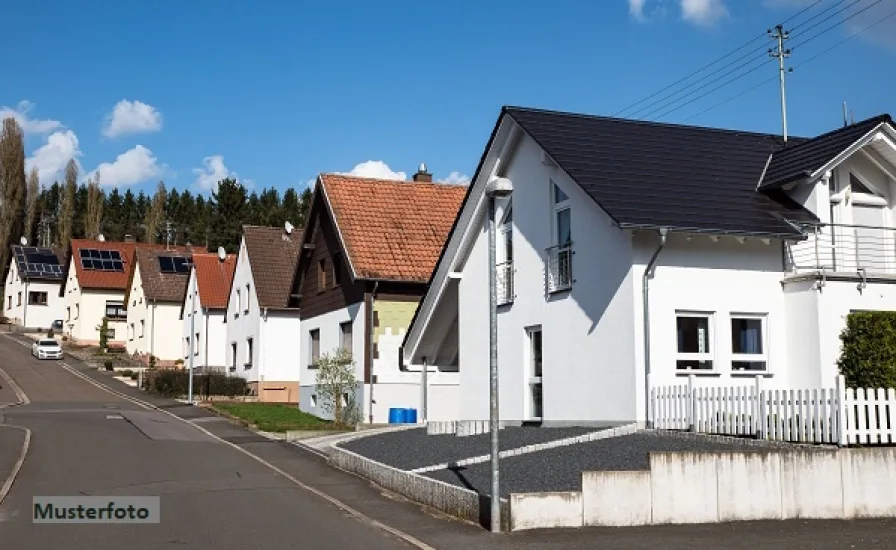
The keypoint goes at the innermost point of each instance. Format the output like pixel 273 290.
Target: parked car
pixel 46 348
pixel 57 324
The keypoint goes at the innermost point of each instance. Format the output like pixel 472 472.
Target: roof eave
pixel 795 235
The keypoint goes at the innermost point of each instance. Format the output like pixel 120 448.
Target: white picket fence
pixel 838 415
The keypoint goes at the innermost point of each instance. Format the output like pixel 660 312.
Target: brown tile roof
pixel 392 230
pixel 112 280
pixel 158 286
pixel 214 278
pixel 272 255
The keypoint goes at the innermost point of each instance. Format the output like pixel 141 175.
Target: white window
pixel 314 347
pixel 346 332
pixel 534 403
pixel 196 347
pixel 695 341
pixel 233 356
pixel 77 311
pixel 186 348
pixel 504 258
pixel 248 353
pixel 748 343
pixel 239 304
pixel 131 331
pixel 142 327
pixel 246 309
pixel 560 254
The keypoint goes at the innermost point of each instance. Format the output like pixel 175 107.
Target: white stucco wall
pixel 137 330
pixel 211 348
pixel 280 350
pixel 587 332
pixel 31 315
pixel 88 307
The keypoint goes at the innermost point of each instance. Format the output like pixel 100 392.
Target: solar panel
pixel 37 262
pixel 166 264
pixel 101 260
pixel 174 264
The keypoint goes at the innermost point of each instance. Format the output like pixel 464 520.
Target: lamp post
pixel 495 188
pixel 192 340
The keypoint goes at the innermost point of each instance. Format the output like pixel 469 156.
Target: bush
pixel 134 376
pixel 868 352
pixel 126 373
pixel 50 333
pixel 110 365
pixel 175 383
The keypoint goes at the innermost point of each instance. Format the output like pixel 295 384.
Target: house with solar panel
pixel 96 282
pixel 153 300
pixel 203 311
pixel 631 255
pixel 261 341
pixel 32 286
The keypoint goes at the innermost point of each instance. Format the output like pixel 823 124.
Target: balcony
pixel 504 282
pixel 559 268
pixel 861 250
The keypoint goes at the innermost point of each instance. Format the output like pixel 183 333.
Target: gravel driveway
pixel 410 449
pixel 561 469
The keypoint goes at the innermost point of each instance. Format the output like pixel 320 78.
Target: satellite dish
pixel 222 254
pixel 24 241
pixel 288 226
pixel 101 238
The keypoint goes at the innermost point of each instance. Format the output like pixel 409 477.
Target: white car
pixel 46 348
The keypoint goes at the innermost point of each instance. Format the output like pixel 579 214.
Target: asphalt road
pixel 217 493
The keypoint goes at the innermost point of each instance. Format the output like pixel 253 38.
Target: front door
pixel 534 404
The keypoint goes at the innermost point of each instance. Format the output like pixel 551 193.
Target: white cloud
pixel 636 9
pixel 51 158
pixel 132 118
pixel 703 13
pixel 456 178
pixel 134 166
pixel 29 125
pixel 214 170
pixel 376 169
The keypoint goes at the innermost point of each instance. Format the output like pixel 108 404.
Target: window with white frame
pixel 249 342
pixel 694 333
pixel 239 304
pixel 560 255
pixel 748 342
pixel 246 308
pixel 504 258
pixel 534 403
pixel 142 328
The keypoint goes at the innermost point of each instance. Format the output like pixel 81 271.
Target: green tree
pixel 32 204
pixel 143 204
pixel 113 217
pixel 130 214
pixel 200 226
pixel 65 222
pixel 103 329
pixel 269 208
pixel 184 219
pixel 336 386
pixel 228 211
pixel 79 230
pixel 868 350
pixel 12 187
pixel 154 222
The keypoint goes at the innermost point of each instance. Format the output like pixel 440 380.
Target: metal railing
pixel 504 282
pixel 559 267
pixel 860 249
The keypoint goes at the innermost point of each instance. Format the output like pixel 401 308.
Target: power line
pixel 804 62
pixel 838 23
pixel 712 63
pixel 822 12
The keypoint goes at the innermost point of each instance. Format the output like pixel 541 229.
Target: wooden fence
pixel 838 415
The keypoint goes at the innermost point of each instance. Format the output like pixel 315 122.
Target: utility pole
pixel 781 35
pixel 43 232
pixel 168 234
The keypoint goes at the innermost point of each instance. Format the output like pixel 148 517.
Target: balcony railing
pixel 559 268
pixel 860 249
pixel 504 282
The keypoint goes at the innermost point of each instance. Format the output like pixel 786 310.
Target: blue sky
pixel 275 92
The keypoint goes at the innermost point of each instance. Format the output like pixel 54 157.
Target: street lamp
pixel 192 333
pixel 495 188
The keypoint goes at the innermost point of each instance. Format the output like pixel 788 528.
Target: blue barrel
pixel 410 416
pixel 396 416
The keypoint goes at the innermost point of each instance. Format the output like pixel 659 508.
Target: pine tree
pixel 184 219
pixel 304 206
pixel 173 214
pixel 228 210
pixel 12 187
pixel 142 208
pixel 113 221
pixel 79 228
pixel 290 209
pixel 199 228
pixel 130 214
pixel 269 208
pixel 65 222
pixel 94 208
pixel 252 214
pixel 32 204
pixel 155 216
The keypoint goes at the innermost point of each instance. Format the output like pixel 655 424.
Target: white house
pixel 369 248
pixel 206 299
pixel 153 300
pixel 632 254
pixel 96 281
pixel 261 325
pixel 32 286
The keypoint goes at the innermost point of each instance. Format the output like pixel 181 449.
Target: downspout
pixel 645 300
pixel 25 310
pixel 152 331
pixel 205 345
pixel 260 346
pixel 370 334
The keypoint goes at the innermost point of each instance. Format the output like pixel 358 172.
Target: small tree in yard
pixel 868 353
pixel 104 334
pixel 336 378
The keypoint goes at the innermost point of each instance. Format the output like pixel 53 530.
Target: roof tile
pixel 214 278
pixel 273 255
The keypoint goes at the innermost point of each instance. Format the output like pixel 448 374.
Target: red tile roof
pixel 113 280
pixel 392 230
pixel 214 278
pixel 158 286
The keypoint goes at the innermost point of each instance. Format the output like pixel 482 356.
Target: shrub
pixel 104 334
pixel 152 361
pixel 134 375
pixel 335 379
pixel 110 365
pixel 65 338
pixel 50 333
pixel 175 383
pixel 868 352
pixel 126 373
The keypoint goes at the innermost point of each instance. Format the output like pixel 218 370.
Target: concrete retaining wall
pixel 685 487
pixel 450 499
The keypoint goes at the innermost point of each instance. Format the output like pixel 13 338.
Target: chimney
pixel 128 238
pixel 422 175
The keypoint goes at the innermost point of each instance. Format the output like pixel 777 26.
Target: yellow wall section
pixel 396 315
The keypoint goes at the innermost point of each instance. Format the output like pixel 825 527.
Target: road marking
pixel 332 500
pixel 20 394
pixel 26 444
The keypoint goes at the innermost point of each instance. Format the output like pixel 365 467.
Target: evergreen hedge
pixel 868 353
pixel 175 383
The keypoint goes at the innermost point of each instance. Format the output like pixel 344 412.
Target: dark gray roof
pixel 803 158
pixel 646 174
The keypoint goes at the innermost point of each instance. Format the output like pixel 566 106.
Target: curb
pixel 26 443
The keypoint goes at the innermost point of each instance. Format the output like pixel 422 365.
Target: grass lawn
pixel 275 417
